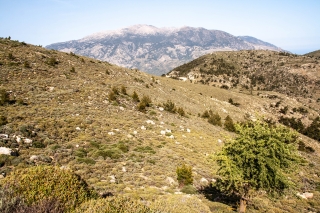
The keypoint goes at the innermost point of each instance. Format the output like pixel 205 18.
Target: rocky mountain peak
pixel 157 50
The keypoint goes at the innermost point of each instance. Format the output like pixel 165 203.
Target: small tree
pixel 169 106
pixel 135 96
pixel 229 125
pixel 184 175
pixel 215 119
pixel 257 159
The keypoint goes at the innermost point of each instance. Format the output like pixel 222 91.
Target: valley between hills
pixel 78 113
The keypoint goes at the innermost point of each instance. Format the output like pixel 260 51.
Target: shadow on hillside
pixel 215 195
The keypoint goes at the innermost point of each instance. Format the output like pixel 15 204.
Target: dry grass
pixel 70 113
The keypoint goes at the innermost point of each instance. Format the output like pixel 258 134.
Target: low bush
pixel 116 204
pixel 36 184
pixel 189 189
pixel 169 106
pixel 135 97
pixel 215 119
pixel 184 175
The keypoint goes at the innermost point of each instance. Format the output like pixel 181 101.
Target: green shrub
pixel 112 96
pixel 233 103
pixel 215 119
pixel 115 90
pixel 189 189
pixel 52 61
pixel 184 175
pixel 116 204
pixel 9 201
pixel 229 125
pixel 4 97
pixel 123 90
pixel 135 97
pixel 86 160
pixel 169 106
pixel 39 183
pixel 72 70
pixel 3 120
pixel 145 149
pixel 144 103
pixel 180 111
pixel 26 64
pixel 205 114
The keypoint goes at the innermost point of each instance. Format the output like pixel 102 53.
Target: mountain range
pixel 158 50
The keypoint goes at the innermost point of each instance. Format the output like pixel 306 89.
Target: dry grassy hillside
pixel 76 112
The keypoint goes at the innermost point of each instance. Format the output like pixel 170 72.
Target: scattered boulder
pixel 305 195
pixel 143 128
pixel 162 132
pixel 188 130
pixel 33 158
pixel 150 122
pixel 27 140
pixel 8 151
pixel 170 180
pixel 112 179
pixel 204 181
pixel 110 133
pixel 78 128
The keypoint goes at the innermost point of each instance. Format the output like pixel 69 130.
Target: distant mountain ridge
pixel 158 50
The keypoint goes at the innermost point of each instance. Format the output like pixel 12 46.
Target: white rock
pixel 168 130
pixel 121 108
pixel 306 195
pixel 143 128
pixel 1 176
pixel 124 169
pixel 18 139
pixel 162 132
pixel 204 181
pixel 112 179
pixel 135 132
pixel 27 140
pixel 4 136
pixel 184 136
pixel 5 151
pixel 51 89
pixel 170 180
pixel 161 108
pixel 150 122
pixel 161 122
pixel 33 157
pixel 213 180
pixel 220 141
pixel 178 193
pixel 78 128
pixel 188 130
pixel 110 133
pixel 129 136
pixel 171 137
pixel 127 189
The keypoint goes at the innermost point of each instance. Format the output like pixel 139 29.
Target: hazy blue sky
pixel 290 24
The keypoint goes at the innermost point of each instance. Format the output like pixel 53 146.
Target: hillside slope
pixel 157 50
pixel 257 71
pixel 77 112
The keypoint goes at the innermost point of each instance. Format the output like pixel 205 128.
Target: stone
pixel 33 157
pixel 170 180
pixel 5 151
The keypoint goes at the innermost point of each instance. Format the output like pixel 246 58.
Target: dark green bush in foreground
pixel 40 183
